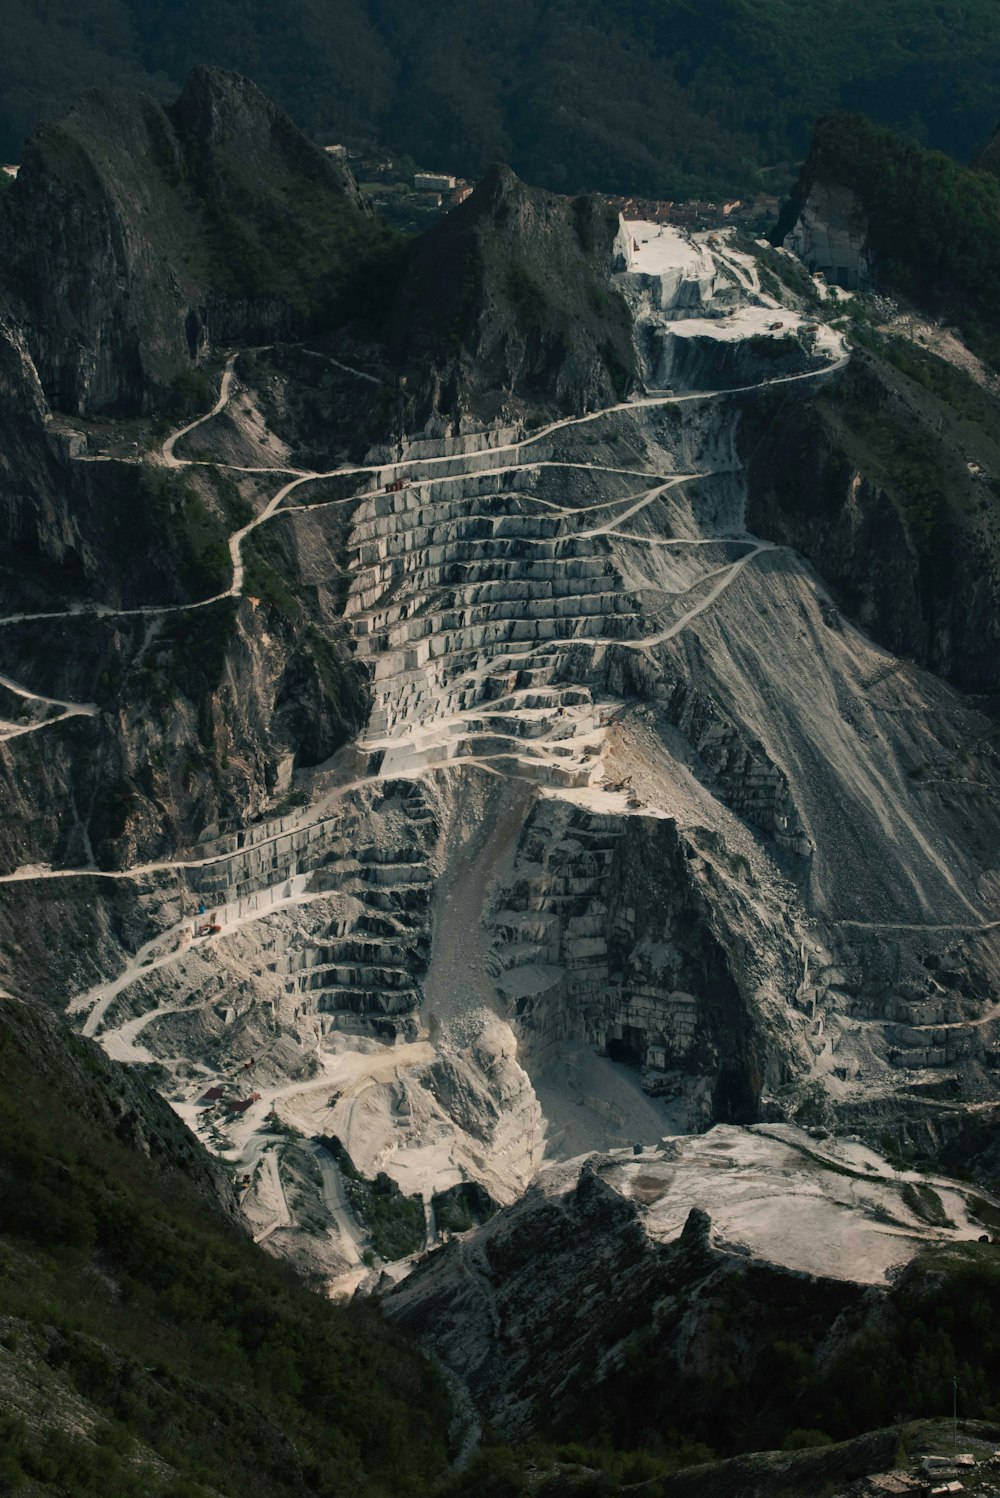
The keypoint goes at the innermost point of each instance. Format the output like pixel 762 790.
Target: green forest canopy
pixel 933 225
pixel 671 97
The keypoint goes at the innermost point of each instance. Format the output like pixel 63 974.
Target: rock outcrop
pixel 136 236
pixel 508 301
pixel 886 484
pixel 830 236
pixel 671 1278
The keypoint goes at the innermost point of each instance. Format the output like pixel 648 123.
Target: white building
pixel 433 182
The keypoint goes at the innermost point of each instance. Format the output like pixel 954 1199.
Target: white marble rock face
pixel 627 846
pixel 830 235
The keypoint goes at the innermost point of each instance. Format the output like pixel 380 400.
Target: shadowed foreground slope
pixel 141 1329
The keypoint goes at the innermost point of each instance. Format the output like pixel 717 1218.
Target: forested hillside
pixel 146 1346
pixel 672 97
pixel 933 226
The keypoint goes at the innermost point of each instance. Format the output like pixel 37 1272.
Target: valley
pixel 457 954
pixel 498 828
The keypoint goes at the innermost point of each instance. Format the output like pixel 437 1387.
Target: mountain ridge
pixel 174 223
pixel 432 755
pixel 644 105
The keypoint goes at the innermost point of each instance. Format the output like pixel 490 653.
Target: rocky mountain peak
pixel 509 296
pixel 226 123
pixel 135 235
pixel 497 190
pixel 219 104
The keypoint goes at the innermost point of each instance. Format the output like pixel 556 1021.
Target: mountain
pixel 901 463
pixel 133 236
pixel 211 221
pixel 147 1346
pixel 508 296
pixel 926 227
pixel 660 97
pixel 498 730
pixel 724 1323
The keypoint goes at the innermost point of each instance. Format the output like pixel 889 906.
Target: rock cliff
pixel 872 207
pixel 508 301
pixel 443 741
pixel 137 240
pixel 676 1283
pixel 886 481
pixel 135 236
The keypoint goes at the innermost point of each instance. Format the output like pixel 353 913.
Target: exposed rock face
pixel 701 317
pixel 603 1276
pixel 667 1275
pixel 900 521
pixel 216 683
pixel 134 235
pixel 498 794
pixel 606 938
pixel 587 876
pixel 508 297
pixel 825 223
pixel 830 235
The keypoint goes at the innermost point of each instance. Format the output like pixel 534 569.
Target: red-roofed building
pixel 243 1106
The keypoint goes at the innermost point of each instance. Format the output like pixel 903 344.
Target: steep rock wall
pixel 623 934
pixel 508 299
pixel 134 235
pixel 901 525
pixel 830 235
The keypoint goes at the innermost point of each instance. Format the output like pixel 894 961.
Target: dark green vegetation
pixel 395 1222
pixel 128 1293
pixel 673 97
pixel 462 1207
pixel 814 1468
pixel 266 575
pixel 933 225
pixel 940 1325
pixel 155 534
pixel 173 508
pixel 324 693
pixel 186 657
pixel 790 1364
pixel 759 1334
pixel 553 1470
